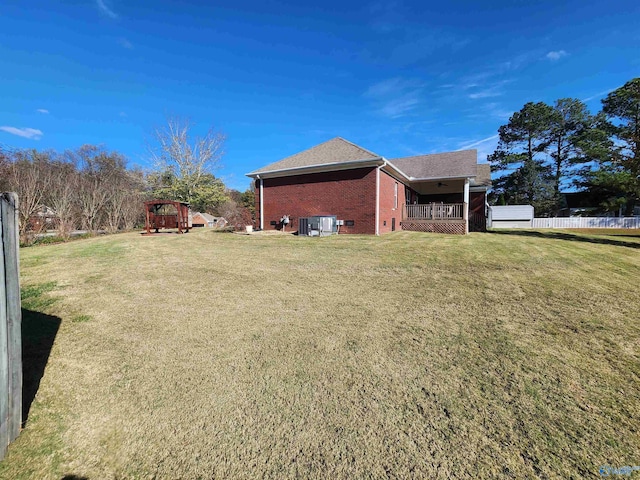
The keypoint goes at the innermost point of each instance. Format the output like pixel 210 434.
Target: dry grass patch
pixel 409 355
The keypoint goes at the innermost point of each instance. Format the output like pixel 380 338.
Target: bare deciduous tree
pixel 133 213
pixel 237 215
pixel 30 176
pixel 4 168
pixel 99 169
pixel 88 187
pixel 188 157
pixel 62 196
pixel 124 205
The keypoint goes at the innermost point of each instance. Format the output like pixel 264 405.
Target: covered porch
pixel 440 206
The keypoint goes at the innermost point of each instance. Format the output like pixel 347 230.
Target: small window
pixel 349 223
pixel 395 195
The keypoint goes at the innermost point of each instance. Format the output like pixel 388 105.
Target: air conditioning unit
pixel 303 226
pixel 321 225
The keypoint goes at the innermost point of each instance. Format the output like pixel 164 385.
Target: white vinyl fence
pixel 587 222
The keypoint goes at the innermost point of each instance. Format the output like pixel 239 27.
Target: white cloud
pixel 493 110
pixel 125 43
pixel 419 45
pixel 104 8
pixel 42 110
pixel 399 107
pixel 520 60
pixel 395 97
pixel 485 147
pixel 556 55
pixel 32 133
pixel 492 139
pixel 490 92
pixel 599 94
pixel 391 86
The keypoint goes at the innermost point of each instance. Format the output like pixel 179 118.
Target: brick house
pixel 199 219
pixel 45 218
pixel 443 192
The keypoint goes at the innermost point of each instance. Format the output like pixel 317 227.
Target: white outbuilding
pixel 510 216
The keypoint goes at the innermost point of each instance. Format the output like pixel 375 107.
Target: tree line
pixel 92 188
pixel 545 149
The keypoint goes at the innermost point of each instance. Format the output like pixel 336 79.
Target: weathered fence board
pixel 10 324
pixel 587 222
pixel 4 344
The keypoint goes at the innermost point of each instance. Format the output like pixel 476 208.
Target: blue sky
pixel 398 78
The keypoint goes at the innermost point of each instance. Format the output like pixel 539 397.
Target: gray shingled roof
pixel 462 163
pixel 483 176
pixel 336 150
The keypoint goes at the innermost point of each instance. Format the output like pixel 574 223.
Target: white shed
pixel 510 216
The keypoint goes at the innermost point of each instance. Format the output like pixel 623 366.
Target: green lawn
pixel 209 355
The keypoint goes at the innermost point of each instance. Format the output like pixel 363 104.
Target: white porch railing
pixel 434 211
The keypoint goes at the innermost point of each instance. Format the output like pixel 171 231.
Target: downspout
pixel 378 199
pixel 261 202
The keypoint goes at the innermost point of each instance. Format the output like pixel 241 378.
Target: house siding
pixel 349 194
pixel 388 211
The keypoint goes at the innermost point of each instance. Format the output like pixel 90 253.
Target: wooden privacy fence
pixel 10 324
pixel 587 222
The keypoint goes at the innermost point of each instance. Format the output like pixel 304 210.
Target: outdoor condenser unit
pixel 322 226
pixel 303 226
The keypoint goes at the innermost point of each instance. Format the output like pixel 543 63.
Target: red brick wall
pixel 199 219
pixel 387 210
pixel 349 194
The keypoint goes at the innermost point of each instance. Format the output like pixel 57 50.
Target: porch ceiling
pixel 431 187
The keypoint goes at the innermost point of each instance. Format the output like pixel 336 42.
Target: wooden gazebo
pixel 166 214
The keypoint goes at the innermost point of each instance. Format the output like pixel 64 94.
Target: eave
pixel 381 162
pixel 321 168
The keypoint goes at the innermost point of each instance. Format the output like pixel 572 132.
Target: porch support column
pixel 465 207
pixel 261 204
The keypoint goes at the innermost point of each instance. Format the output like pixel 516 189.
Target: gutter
pixel 284 172
pixel 433 179
pixel 391 166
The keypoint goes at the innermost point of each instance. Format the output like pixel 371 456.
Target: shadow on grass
pixel 74 477
pixel 38 333
pixel 566 236
pixel 623 235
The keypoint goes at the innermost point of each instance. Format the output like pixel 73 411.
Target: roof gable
pixel 462 163
pixel 206 216
pixel 336 150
